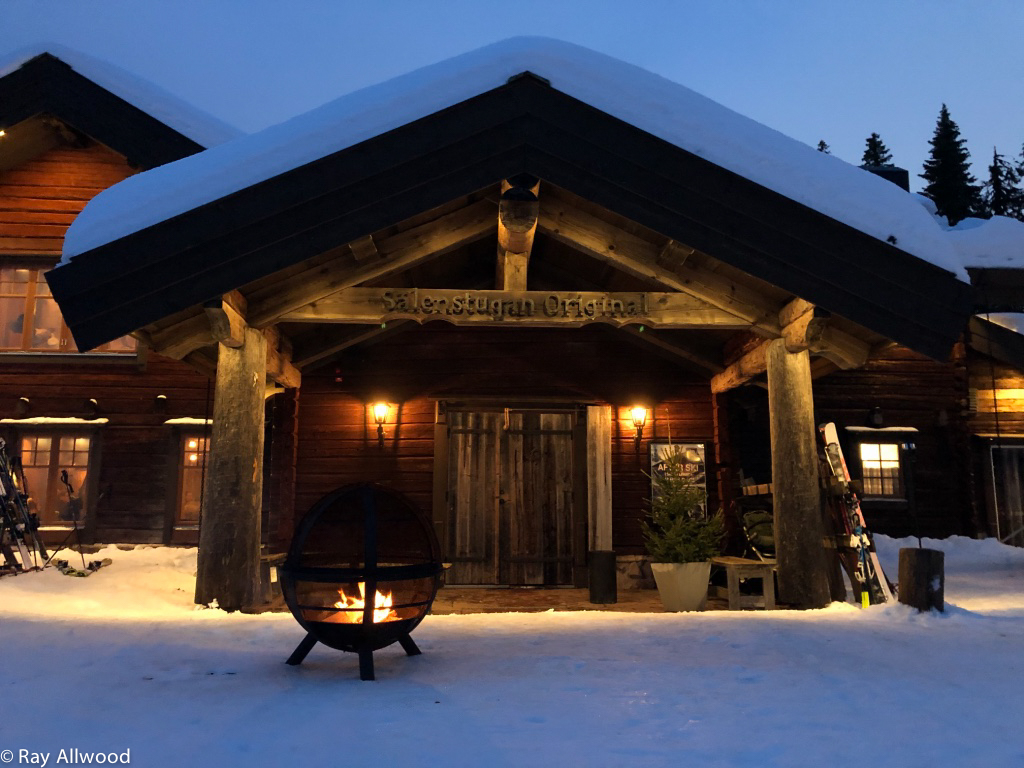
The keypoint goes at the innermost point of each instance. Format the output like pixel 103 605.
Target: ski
pixel 18 526
pixel 865 570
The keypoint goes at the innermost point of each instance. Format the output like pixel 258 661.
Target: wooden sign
pixel 534 308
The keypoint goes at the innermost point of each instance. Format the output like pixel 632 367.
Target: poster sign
pixel 692 465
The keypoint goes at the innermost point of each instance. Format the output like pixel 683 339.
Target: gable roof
pixel 146 125
pixel 639 145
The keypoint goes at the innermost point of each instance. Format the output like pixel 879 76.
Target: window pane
pixel 46 326
pixel 890 452
pixel 880 465
pixel 14 282
pixel 43 465
pixel 869 451
pixel 12 322
pixel 193 457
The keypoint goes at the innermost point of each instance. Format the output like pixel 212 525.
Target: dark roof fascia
pixel 47 85
pixel 997 289
pixel 994 340
pixel 522 127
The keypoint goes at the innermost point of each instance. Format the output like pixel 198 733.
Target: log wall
pixel 135 450
pixel 40 198
pixel 135 490
pixel 913 391
pixel 337 438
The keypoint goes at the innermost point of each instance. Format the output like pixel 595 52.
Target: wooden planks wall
pixel 137 452
pixel 913 391
pixel 337 440
pixel 40 198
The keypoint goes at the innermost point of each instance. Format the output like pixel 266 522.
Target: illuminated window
pixel 30 320
pixel 880 465
pixel 43 457
pixel 192 458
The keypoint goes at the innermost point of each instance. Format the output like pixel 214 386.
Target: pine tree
pixel 875 153
pixel 823 147
pixel 1002 194
pixel 950 183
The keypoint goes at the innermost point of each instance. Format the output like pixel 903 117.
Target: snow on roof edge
pixel 648 101
pixel 174 112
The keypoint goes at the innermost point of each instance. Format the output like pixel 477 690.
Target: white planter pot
pixel 682 586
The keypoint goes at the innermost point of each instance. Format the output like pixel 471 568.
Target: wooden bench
pixel 737 568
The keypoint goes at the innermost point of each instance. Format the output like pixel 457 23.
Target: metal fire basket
pixel 362 572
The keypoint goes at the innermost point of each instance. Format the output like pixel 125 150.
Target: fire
pixel 352 607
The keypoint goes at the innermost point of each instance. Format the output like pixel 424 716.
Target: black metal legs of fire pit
pixel 365 654
pixel 302 650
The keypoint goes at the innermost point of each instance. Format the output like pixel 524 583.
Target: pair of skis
pixel 18 527
pixel 861 563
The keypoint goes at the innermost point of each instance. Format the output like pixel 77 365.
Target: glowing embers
pixel 362 571
pixel 353 609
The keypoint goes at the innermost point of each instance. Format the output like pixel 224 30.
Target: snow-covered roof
pixel 193 123
pixel 652 103
pixel 995 242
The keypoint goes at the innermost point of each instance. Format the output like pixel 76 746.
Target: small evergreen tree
pixel 823 147
pixel 876 153
pixel 1002 194
pixel 950 184
pixel 678 530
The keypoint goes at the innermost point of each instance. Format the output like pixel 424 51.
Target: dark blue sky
pixel 814 70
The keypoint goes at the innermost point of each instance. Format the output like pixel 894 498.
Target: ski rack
pixel 19 528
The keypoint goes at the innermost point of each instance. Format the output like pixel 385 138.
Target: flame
pixel 352 607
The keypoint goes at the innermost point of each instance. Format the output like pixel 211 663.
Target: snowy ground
pixel 121 661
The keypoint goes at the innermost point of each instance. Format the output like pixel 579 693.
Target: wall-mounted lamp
pixel 380 415
pixel 639 414
pixel 875 418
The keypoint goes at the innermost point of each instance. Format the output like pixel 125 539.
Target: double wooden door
pixel 510 517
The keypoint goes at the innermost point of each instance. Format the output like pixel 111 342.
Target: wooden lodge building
pixel 462 284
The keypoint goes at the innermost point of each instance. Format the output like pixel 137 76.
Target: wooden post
pixel 229 537
pixel 601 557
pixel 799 531
pixel 922 579
pixel 599 476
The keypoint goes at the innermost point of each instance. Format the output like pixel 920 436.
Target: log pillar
pixel 799 530
pixel 229 535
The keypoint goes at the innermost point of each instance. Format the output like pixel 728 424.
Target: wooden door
pixel 510 498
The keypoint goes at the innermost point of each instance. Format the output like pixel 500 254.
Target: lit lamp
pixel 639 414
pixel 380 415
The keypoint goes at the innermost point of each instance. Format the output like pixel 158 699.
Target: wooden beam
pixel 799 527
pixel 364 248
pixel 534 308
pixel 803 328
pixel 397 253
pixel 188 335
pixel 280 368
pixel 227 325
pixel 517 223
pixel 743 370
pixel 640 258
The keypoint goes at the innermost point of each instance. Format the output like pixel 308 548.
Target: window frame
pixel 898 436
pixel 86 490
pixel 29 307
pixel 181 438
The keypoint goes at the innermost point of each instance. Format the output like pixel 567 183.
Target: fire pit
pixel 362 572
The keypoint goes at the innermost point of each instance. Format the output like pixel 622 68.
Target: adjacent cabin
pixel 505 285
pixel 125 424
